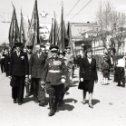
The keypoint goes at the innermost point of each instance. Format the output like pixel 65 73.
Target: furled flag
pixel 33 31
pixel 22 31
pixel 69 42
pixel 14 29
pixel 28 42
pixel 62 33
pixel 54 38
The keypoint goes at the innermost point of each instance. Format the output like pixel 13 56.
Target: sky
pixel 84 11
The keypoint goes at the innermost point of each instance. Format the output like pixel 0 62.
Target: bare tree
pixel 111 23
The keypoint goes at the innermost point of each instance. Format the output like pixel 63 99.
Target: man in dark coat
pixel 54 76
pixel 36 65
pixel 19 73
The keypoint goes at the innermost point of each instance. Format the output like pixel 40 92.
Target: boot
pixel 61 99
pixel 118 83
pixel 52 112
pixel 52 106
pixel 123 85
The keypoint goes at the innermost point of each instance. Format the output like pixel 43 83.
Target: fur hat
pixel 18 44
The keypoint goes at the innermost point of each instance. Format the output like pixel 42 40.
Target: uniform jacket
pixel 36 65
pixel 19 64
pixel 88 70
pixel 54 70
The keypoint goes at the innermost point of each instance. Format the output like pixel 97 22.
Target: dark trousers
pixel 2 66
pixel 18 88
pixel 55 93
pixel 121 81
pixel 35 86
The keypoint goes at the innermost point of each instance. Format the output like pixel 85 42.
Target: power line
pixel 82 8
pixel 73 7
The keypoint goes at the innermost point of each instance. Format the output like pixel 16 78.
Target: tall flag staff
pixel 62 32
pixel 69 41
pixel 14 29
pixel 34 27
pixel 54 38
pixel 22 31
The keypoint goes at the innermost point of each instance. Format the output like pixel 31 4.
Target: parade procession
pixel 40 64
pixel 62 64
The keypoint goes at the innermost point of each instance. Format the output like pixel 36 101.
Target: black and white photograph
pixel 62 62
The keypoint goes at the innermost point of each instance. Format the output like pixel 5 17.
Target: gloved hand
pixel 81 79
pixel 26 80
pixel 63 80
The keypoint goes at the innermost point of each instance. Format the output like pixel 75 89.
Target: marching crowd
pixel 39 72
pixel 42 72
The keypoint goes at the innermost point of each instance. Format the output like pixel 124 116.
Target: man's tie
pixel 18 53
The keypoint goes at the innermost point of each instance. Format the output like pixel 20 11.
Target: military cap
pixel 29 46
pixel 89 50
pixel 53 48
pixel 18 44
pixel 67 47
pixel 61 53
pixel 42 46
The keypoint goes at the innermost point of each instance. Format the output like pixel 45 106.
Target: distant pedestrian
pixel 88 75
pixel 2 61
pixel 119 75
pixel 105 70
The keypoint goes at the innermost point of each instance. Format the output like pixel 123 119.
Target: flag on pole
pixel 28 43
pixel 14 29
pixel 22 31
pixel 33 32
pixel 62 32
pixel 54 38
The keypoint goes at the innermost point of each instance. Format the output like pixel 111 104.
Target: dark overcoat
pixel 88 70
pixel 19 64
pixel 89 73
pixel 36 65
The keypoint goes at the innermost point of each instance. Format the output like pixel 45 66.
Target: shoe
pixel 14 100
pixel 19 103
pixel 43 104
pixel 27 95
pixel 123 85
pixel 52 112
pixel 83 102
pixel 36 99
pixel 90 105
pixel 118 85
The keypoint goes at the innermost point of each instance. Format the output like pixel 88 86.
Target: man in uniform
pixel 54 77
pixel 18 72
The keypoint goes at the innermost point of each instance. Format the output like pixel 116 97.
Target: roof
pixel 79 29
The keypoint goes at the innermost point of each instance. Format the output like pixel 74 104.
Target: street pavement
pixel 109 107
